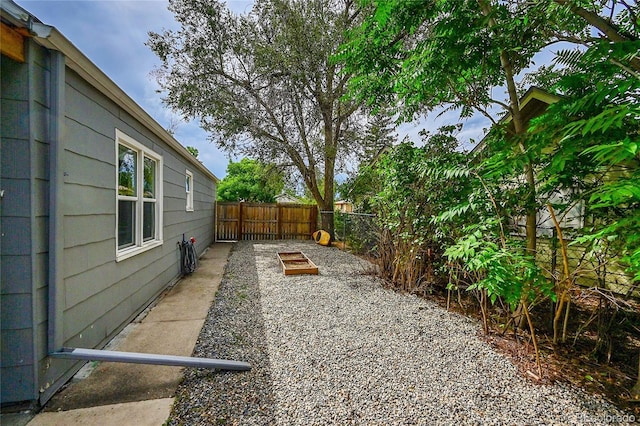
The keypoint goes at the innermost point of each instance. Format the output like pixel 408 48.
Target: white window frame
pixel 188 177
pixel 139 245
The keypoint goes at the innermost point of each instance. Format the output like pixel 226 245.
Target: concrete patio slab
pixel 144 413
pixel 117 393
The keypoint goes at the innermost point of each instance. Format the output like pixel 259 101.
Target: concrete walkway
pixel 135 394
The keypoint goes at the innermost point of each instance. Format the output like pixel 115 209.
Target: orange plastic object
pixel 322 237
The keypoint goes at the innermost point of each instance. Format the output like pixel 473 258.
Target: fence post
pixel 344 229
pixel 215 221
pixel 240 221
pixel 279 218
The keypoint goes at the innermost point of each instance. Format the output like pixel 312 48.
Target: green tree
pixel 263 83
pixel 589 144
pixel 361 185
pixel 193 150
pixel 379 135
pixel 250 180
pixel 591 141
pixel 455 52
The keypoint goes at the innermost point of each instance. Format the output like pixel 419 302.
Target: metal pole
pixel 153 359
pixel 344 230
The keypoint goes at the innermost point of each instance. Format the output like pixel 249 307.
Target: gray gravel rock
pixel 233 329
pixel 338 348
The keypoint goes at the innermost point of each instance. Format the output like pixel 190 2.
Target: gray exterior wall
pixel 100 296
pixel 96 295
pixel 24 178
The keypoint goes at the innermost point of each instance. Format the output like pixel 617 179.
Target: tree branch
pixel 610 31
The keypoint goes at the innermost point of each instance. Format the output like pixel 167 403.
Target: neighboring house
pixel 594 272
pixel 95 197
pixel 343 206
pixel 533 104
pixel 285 198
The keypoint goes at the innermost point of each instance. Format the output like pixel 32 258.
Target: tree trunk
pixel 330 153
pixel 326 218
pixel 328 207
pixel 520 130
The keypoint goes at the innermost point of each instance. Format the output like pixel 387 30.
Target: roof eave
pixel 79 63
pixel 533 92
pixel 49 37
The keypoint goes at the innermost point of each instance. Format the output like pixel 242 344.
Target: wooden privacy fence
pixel 257 221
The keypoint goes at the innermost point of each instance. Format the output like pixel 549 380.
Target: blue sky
pixel 112 33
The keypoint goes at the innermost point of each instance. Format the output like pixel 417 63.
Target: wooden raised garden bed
pixel 296 262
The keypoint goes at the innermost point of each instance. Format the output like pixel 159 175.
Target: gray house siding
pixel 100 295
pixel 199 223
pixel 61 282
pixel 24 178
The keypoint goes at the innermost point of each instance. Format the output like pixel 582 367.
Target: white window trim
pixel 189 206
pixel 142 151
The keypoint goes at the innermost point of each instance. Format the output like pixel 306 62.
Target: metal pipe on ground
pixel 153 359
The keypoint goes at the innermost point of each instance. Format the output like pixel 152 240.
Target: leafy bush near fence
pixel 409 196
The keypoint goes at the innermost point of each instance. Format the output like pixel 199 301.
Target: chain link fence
pixel 360 233
pixel 357 232
pixel 589 268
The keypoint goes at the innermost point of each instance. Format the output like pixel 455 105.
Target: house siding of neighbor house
pixel 344 206
pixel 65 281
pixel 610 274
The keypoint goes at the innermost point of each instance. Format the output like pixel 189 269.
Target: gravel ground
pixel 338 348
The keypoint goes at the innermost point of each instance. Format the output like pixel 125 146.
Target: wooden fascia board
pixel 11 43
pixel 531 94
pixel 79 63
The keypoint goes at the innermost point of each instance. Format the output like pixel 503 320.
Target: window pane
pixel 126 171
pixel 149 221
pixel 188 183
pixel 126 223
pixel 149 178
